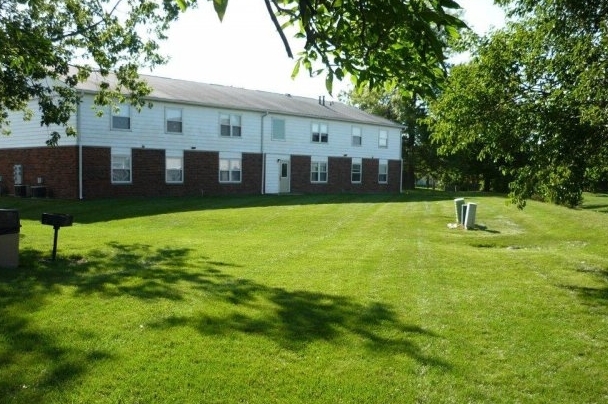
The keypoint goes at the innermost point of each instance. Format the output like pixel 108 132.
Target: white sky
pixel 245 50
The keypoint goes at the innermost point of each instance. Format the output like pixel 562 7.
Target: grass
pixel 303 299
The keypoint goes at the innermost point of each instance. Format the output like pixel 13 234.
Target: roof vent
pixel 322 100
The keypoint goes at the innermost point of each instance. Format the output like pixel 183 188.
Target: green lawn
pixel 307 299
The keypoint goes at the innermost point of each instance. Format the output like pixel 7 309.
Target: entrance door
pixel 284 176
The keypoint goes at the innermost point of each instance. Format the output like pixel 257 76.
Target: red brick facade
pixel 58 167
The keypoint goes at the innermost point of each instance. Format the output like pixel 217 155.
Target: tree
pixel 47 47
pixel 533 100
pixel 410 111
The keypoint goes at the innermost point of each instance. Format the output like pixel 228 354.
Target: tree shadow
pixel 293 319
pixel 593 296
pixel 93 211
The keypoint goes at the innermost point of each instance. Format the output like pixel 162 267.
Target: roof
pixel 213 95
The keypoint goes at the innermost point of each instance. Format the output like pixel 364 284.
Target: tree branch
pixel 273 17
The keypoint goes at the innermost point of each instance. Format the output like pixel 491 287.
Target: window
pixel 355 171
pixel 230 125
pixel 121 169
pixel 319 133
pixel 356 133
pixel 173 120
pixel 383 172
pixel 121 117
pixel 230 170
pixel 318 171
pixel 278 129
pixel 383 139
pixel 174 169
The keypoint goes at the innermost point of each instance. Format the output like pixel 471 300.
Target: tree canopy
pixel 47 47
pixel 534 100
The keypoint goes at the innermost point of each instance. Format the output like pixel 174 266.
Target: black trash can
pixel 10 226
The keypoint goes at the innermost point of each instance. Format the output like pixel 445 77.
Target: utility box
pixel 469 220
pixel 458 204
pixel 10 227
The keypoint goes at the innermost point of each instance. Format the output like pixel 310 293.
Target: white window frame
pixel 234 124
pixel 169 119
pixel 319 172
pixel 230 170
pixel 319 133
pixel 357 137
pixel 354 172
pixel 383 139
pixel 120 113
pixel 124 163
pixel 174 169
pixel 383 172
pixel 276 134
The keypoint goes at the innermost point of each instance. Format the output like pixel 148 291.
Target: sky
pixel 245 50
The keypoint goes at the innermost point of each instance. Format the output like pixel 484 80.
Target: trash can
pixel 459 203
pixel 10 227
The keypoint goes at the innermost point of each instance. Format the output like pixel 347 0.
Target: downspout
pixel 401 158
pixel 262 153
pixel 79 141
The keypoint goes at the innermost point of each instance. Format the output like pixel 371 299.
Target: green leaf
pixel 182 4
pixel 220 7
pixel 296 69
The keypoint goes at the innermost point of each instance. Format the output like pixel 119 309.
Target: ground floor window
pixel 174 173
pixel 121 168
pixel 383 172
pixel 230 170
pixel 318 171
pixel 355 172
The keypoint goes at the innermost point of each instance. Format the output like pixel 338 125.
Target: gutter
pixel 264 115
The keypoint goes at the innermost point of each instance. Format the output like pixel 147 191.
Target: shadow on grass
pixel 593 296
pixel 35 359
pixel 115 209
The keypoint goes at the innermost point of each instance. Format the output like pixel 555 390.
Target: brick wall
pixel 339 177
pixel 57 166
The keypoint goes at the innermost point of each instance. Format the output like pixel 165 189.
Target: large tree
pixel 48 46
pixel 534 100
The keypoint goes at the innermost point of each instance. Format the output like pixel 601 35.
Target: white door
pixel 284 176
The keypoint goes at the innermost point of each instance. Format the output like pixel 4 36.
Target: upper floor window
pixel 278 129
pixel 230 125
pixel 383 139
pixel 383 172
pixel 121 117
pixel 356 133
pixel 319 133
pixel 174 169
pixel 121 169
pixel 173 120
